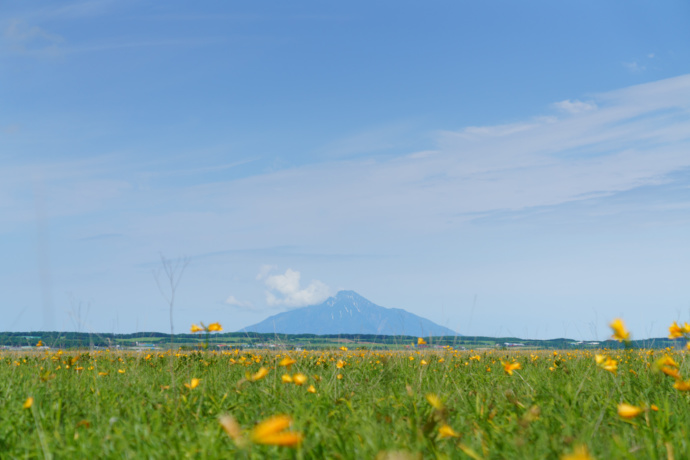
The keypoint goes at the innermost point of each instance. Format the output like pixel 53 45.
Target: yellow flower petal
pixel 445 431
pixel 28 403
pixel 628 411
pixel 620 333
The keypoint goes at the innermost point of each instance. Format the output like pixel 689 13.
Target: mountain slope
pixel 349 313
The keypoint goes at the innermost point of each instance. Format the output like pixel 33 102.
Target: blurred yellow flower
pixel 232 429
pixel 435 401
pixel 628 411
pixel 579 453
pixel 28 403
pixel 194 329
pixel 261 373
pixel 272 432
pixel 681 385
pixel 445 431
pixel 311 389
pixel 215 327
pixel 287 362
pixel 421 341
pixel 620 333
pixel 606 363
pixel 510 367
pixel 340 364
pixel 343 348
pixel 286 378
pixel 423 362
pixel 193 384
pixel 299 379
pixel 120 371
pixel 40 343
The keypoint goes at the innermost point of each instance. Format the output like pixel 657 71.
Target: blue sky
pixel 501 168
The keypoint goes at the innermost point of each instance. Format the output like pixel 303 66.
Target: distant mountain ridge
pixel 349 313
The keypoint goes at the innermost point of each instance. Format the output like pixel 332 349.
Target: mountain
pixel 349 313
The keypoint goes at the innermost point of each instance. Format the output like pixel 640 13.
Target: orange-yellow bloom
pixel 286 378
pixel 620 333
pixel 445 431
pixel 671 372
pixel 606 363
pixel 579 453
pixel 261 373
pixel 628 411
pixel 340 364
pixel 28 403
pixel 272 432
pixel 40 343
pixel 287 362
pixel 421 341
pixel 343 348
pixel 194 329
pixel 311 389
pixel 299 379
pixel 435 401
pixel 215 327
pixel 510 367
pixel 681 385
pixel 193 384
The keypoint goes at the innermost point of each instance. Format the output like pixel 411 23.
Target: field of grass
pixel 345 404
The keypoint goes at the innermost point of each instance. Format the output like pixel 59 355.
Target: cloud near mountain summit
pixel 285 290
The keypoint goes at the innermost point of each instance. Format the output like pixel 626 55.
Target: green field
pixel 108 404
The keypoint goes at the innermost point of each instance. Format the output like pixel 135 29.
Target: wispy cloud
pixel 234 302
pixel 28 39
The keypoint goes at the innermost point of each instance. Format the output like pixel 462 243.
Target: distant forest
pixel 159 340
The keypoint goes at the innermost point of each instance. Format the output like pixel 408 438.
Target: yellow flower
pixel 423 362
pixel 120 371
pixel 445 431
pixel 215 327
pixel 510 367
pixel 261 373
pixel 311 389
pixel 681 385
pixel 579 453
pixel 339 376
pixel 233 429
pixel 193 384
pixel 620 333
pixel 102 374
pixel 675 331
pixel 196 329
pixel 299 379
pixel 28 403
pixel 628 411
pixel 343 348
pixel 671 372
pixel 340 364
pixel 421 341
pixel 287 362
pixel 435 401
pixel 286 378
pixel 272 432
pixel 607 363
pixel 40 343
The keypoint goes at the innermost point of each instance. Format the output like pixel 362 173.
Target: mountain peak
pixel 349 313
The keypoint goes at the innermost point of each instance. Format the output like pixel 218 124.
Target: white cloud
pixel 233 301
pixel 264 271
pixel 285 290
pixel 575 106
